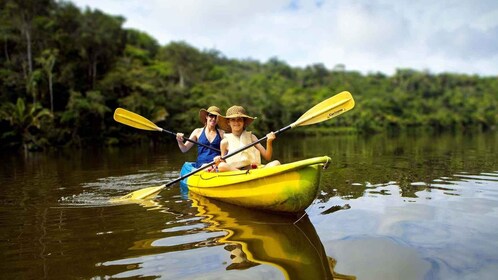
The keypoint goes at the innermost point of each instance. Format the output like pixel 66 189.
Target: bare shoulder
pixel 222 132
pixel 197 132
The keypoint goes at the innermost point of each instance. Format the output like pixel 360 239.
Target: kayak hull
pixel 289 188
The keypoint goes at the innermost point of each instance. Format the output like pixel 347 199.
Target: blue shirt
pixel 206 155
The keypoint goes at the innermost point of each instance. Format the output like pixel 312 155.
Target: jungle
pixel 64 70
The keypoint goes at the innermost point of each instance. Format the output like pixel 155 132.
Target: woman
pixel 235 123
pixel 209 135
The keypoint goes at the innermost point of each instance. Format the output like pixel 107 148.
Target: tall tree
pixel 23 15
pixel 101 41
pixel 47 61
pixel 188 62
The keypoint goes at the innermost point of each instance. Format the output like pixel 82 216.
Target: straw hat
pixel 211 110
pixel 234 112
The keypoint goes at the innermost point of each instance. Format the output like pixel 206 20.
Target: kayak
pixel 288 188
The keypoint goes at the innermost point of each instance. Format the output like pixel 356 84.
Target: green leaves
pixel 87 65
pixel 26 121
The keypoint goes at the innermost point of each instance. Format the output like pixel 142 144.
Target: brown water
pixel 406 207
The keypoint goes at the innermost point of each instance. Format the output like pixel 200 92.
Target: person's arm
pixel 268 152
pixel 224 147
pixel 224 151
pixel 185 146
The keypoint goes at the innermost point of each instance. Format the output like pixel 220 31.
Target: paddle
pixel 327 109
pixel 135 120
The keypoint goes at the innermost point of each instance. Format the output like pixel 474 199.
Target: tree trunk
pixel 94 73
pixel 182 79
pixel 6 50
pixel 51 91
pixel 27 33
pixel 28 49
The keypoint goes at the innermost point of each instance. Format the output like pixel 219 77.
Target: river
pixel 411 206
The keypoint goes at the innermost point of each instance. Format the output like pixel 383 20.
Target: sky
pixel 369 36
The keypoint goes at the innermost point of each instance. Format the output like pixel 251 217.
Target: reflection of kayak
pixel 287 188
pixel 261 238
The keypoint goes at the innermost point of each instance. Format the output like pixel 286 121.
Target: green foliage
pixel 82 64
pixel 85 115
pixel 143 41
pixel 26 122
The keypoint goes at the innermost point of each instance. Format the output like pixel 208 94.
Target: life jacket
pixel 246 157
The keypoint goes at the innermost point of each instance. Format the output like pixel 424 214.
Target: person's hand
pixel 270 137
pixel 212 168
pixel 217 160
pixel 179 137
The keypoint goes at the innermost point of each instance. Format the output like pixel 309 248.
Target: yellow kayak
pixel 287 188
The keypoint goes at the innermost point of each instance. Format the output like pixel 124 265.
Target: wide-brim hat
pixel 211 110
pixel 233 112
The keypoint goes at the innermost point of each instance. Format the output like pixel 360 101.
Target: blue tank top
pixel 205 155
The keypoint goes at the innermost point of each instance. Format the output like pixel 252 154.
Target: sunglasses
pixel 212 115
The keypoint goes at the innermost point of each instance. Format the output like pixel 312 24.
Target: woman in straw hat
pixel 235 123
pixel 209 135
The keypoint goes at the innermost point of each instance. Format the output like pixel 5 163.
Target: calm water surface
pixel 405 207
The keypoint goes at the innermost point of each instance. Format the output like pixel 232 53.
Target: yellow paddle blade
pixel 134 120
pixel 145 193
pixel 327 109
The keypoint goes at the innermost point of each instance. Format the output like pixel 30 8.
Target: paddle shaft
pixel 190 140
pixel 227 156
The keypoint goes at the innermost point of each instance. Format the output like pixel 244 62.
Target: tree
pixel 101 41
pixel 189 64
pixel 47 61
pixel 85 115
pixel 24 120
pixel 24 15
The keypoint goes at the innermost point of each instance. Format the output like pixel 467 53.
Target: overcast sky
pixel 459 36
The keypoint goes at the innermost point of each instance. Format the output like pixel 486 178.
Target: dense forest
pixel 64 70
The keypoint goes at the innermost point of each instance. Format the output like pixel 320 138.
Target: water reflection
pixel 288 243
pixel 423 206
pixel 358 163
pixel 446 231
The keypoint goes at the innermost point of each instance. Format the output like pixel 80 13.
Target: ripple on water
pixel 103 190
